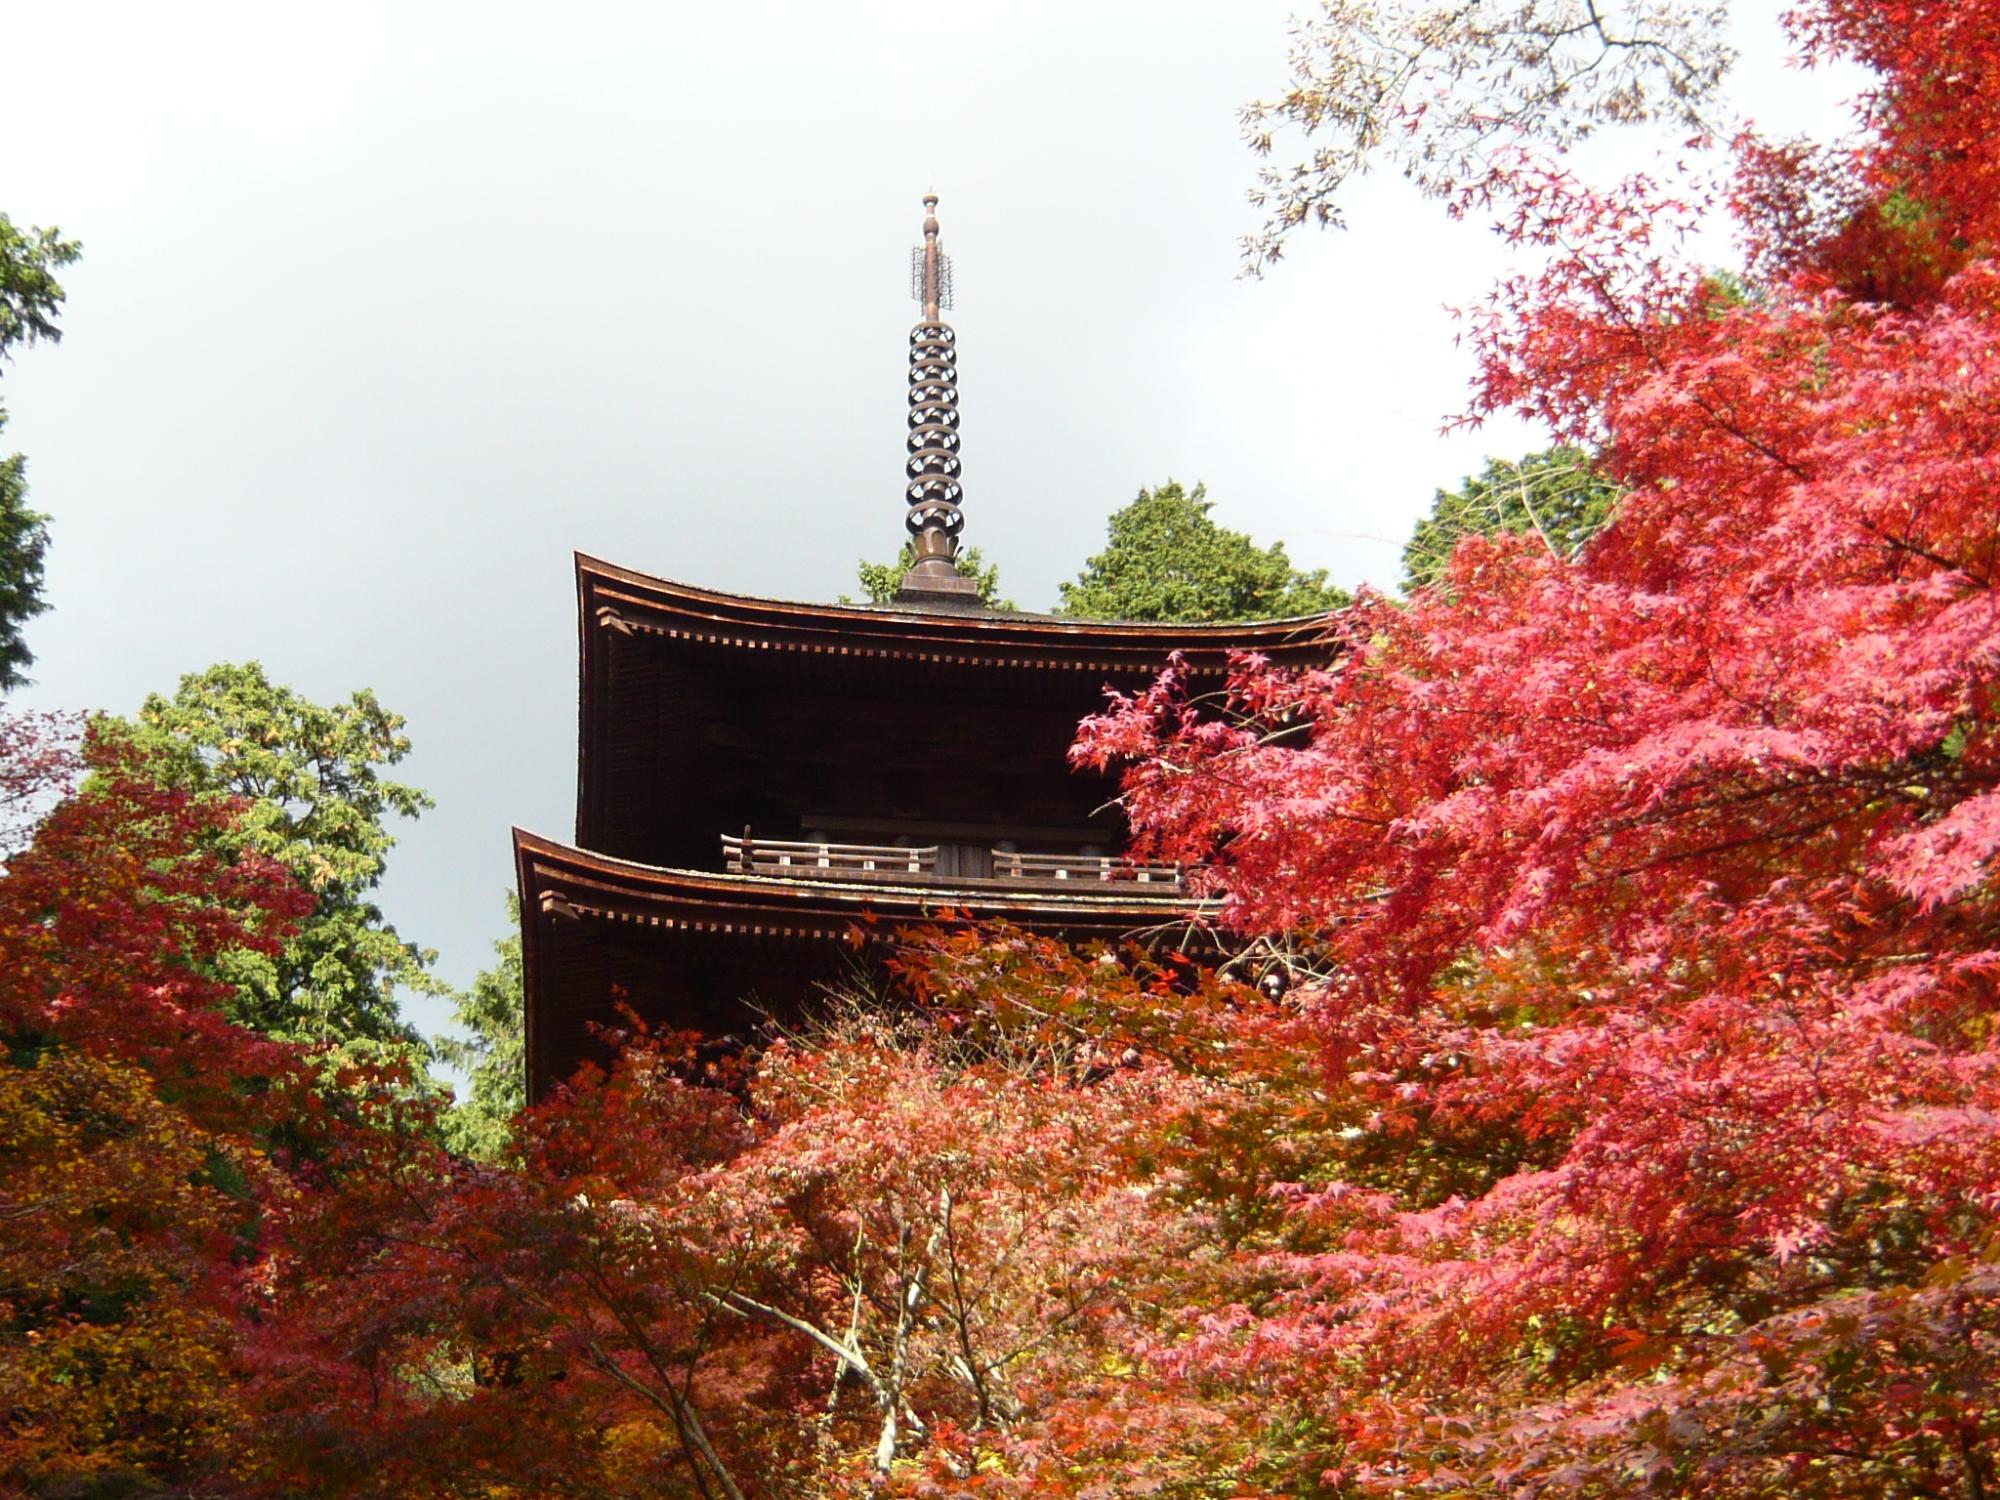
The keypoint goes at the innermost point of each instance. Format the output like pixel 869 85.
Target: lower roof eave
pixel 575 902
pixel 565 880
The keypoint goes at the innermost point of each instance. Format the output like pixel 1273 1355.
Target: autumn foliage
pixel 922 1246
pixel 1591 1087
pixel 162 1169
pixel 131 1179
pixel 1654 890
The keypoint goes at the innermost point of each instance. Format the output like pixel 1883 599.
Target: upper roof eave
pixel 913 624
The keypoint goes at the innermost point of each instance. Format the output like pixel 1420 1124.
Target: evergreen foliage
pixel 1556 495
pixel 495 1059
pixel 879 581
pixel 24 541
pixel 1167 560
pixel 30 297
pixel 316 802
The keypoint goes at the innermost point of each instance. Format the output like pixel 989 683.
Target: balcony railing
pixel 790 857
pixel 1008 865
pixel 750 855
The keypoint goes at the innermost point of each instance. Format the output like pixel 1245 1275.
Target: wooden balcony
pixel 807 860
pixel 755 856
pixel 1038 869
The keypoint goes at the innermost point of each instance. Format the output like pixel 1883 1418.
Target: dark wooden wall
pixel 698 742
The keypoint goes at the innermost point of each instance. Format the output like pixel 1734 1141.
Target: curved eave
pixel 558 875
pixel 562 883
pixel 621 599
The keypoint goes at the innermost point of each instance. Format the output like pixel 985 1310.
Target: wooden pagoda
pixel 757 779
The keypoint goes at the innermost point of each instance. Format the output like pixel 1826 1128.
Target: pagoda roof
pixel 660 660
pixel 561 884
pixel 630 602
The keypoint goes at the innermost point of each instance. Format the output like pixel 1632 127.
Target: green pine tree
pixel 1166 559
pixel 879 581
pixel 30 298
pixel 316 801
pixel 1556 494
pixel 495 1059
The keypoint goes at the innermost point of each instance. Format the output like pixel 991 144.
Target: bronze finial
pixel 935 267
pixel 934 519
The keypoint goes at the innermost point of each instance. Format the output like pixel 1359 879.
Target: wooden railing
pixel 750 855
pixel 1008 865
pixel 757 856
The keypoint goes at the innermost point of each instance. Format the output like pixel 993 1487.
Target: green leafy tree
pixel 879 581
pixel 1168 560
pixel 24 540
pixel 316 801
pixel 30 297
pixel 495 1059
pixel 1557 495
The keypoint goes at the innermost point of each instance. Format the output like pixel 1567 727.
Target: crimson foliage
pixel 1656 888
pixel 1636 1122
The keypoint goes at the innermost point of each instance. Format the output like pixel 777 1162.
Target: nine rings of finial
pixel 933 464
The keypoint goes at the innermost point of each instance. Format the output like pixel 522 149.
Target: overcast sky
pixel 385 309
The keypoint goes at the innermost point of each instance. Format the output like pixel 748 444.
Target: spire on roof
pixel 933 493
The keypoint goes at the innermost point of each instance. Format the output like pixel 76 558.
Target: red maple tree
pixel 135 1145
pixel 1655 890
pixel 1635 1123
pixel 167 1177
pixel 909 1247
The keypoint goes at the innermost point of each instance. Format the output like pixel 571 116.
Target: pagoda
pixel 759 780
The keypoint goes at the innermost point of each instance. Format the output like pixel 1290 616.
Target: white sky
pixel 386 308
